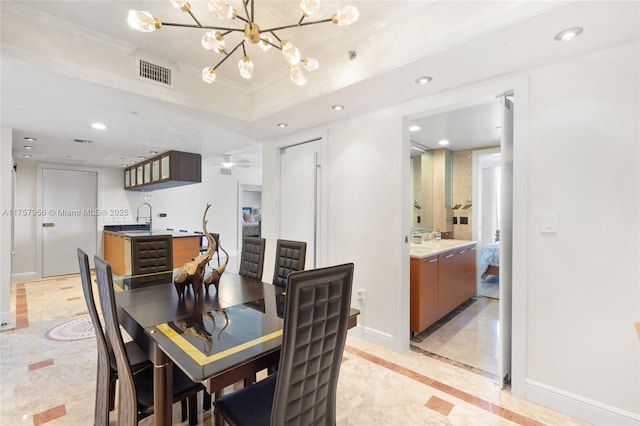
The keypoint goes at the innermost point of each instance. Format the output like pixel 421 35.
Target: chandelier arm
pixel 206 27
pixel 296 25
pixel 194 18
pixel 246 11
pixel 228 54
pixel 302 18
pixel 268 42
pixel 243 19
pixel 274 34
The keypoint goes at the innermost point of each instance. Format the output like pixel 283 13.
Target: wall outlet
pixel 362 296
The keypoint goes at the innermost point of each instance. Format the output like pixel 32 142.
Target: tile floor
pixel 48 380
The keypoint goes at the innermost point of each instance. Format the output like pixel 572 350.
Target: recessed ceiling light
pixel 153 152
pixel 98 126
pixel 142 157
pixel 123 165
pixel 568 34
pixel 26 155
pixel 132 161
pixel 30 139
pixel 337 107
pixel 443 142
pixel 27 147
pixel 423 80
pixel 282 125
pixel 414 128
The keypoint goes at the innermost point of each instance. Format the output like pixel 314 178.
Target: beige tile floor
pixel 52 381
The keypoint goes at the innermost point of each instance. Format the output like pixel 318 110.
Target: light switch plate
pixel 549 222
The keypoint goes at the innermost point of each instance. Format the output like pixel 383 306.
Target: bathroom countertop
pixel 435 247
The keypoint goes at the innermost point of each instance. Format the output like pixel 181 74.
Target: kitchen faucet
pixel 150 217
pixel 431 236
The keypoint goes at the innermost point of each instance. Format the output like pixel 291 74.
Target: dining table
pixel 217 337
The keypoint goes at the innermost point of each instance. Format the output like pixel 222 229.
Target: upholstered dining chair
pixel 252 257
pixel 204 247
pixel 303 391
pixel 290 257
pixel 107 369
pixel 135 392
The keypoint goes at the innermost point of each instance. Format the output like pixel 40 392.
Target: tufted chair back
pixel 290 257
pixel 252 257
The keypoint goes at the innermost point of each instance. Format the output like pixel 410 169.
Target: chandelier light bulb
pixel 245 65
pixel 209 75
pixel 346 16
pixel 222 9
pixel 310 64
pixel 213 40
pixel 290 52
pixel 142 20
pixel 309 6
pixel 265 43
pixel 297 76
pixel 181 4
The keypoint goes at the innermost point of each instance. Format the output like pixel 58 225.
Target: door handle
pixel 48 225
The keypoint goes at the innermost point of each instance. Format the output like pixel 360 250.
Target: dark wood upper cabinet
pixel 173 168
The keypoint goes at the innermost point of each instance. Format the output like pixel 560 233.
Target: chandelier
pixel 214 39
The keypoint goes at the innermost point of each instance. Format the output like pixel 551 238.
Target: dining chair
pixel 135 391
pixel 252 257
pixel 107 369
pixel 303 391
pixel 290 257
pixel 203 246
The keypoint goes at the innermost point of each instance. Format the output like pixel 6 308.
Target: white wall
pixel 24 260
pixel 583 283
pixel 576 294
pixel 6 165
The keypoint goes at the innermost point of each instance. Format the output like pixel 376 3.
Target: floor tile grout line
pixel 448 389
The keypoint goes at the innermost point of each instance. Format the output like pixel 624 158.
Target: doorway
pixel 485 319
pixel 69 219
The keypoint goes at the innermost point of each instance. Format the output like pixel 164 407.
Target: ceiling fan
pixel 230 161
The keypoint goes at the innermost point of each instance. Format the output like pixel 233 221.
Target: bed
pixel 490 260
pixel 250 225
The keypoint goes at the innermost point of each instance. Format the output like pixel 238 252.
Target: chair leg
pixel 112 391
pixel 206 401
pixel 218 420
pixel 184 409
pixel 193 409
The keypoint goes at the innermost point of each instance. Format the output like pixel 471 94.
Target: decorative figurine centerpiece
pixel 192 272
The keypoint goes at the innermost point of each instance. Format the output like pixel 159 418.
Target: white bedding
pixel 489 256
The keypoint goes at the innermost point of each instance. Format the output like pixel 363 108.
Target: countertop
pixel 147 233
pixel 435 247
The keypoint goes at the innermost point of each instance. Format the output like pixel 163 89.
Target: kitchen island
pixel 442 276
pixel 135 249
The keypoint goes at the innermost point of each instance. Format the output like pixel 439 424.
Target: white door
pixel 69 205
pixel 506 242
pixel 299 196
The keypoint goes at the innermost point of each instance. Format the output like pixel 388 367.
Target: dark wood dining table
pixel 216 337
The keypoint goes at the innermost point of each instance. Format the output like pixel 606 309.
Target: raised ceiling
pixel 67 64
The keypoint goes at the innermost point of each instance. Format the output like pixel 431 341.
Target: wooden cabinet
pixel 439 284
pixel 185 249
pixel 456 276
pixel 423 293
pixel 173 168
pixel 116 249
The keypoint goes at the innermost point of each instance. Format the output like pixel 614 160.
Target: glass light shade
pixel 346 16
pixel 178 4
pixel 297 76
pixel 264 43
pixel 141 20
pixel 290 52
pixel 309 6
pixel 245 65
pixel 209 75
pixel 221 9
pixel 311 64
pixel 213 40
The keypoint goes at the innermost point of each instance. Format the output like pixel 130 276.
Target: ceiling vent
pixel 157 73
pixel 82 141
pixel 225 172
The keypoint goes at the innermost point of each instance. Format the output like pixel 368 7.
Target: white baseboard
pixel 24 276
pixel 372 335
pixel 578 406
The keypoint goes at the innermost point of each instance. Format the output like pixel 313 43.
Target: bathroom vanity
pixel 442 276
